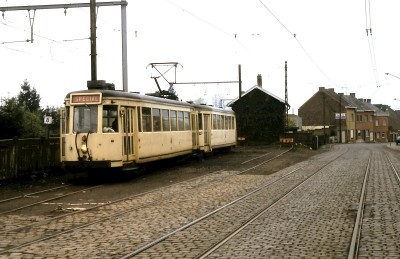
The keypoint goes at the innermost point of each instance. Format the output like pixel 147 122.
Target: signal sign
pixel 48 120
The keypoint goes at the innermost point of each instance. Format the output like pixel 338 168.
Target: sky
pixel 340 44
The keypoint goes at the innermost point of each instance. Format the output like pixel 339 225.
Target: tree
pixel 21 116
pixel 29 98
pixel 11 119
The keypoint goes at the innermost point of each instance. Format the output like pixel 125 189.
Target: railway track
pixel 98 214
pixel 376 233
pixel 194 229
pixel 22 196
pixel 305 210
pixel 51 194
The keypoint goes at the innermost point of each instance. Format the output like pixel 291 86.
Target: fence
pixel 305 138
pixel 21 157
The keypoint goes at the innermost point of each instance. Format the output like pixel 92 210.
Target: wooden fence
pixel 22 157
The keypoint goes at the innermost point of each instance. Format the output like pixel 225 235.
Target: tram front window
pixel 85 119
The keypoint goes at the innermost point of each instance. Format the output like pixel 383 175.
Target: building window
pixel 384 122
pixel 376 123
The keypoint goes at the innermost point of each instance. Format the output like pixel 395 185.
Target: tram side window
pixel 214 121
pixel 180 121
pixel 186 120
pixel 173 120
pixel 200 121
pixel 65 121
pixel 110 118
pixel 165 120
pixel 85 119
pixel 156 120
pixel 146 119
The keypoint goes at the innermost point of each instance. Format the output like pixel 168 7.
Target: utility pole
pixel 240 80
pixel 340 117
pixel 323 115
pixel 93 41
pixel 286 98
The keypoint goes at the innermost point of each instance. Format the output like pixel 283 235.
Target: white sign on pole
pixel 48 120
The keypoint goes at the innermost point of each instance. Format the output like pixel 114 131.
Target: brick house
pixel 346 117
pixel 321 110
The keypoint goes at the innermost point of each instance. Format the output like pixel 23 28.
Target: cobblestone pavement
pixel 380 236
pixel 314 221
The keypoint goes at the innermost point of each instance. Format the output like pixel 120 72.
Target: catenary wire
pixel 298 42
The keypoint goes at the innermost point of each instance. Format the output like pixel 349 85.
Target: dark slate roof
pixel 259 88
pixel 362 105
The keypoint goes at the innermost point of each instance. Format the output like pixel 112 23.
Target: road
pixel 242 209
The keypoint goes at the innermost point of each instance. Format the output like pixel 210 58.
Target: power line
pixel 201 19
pixel 298 42
pixel 371 46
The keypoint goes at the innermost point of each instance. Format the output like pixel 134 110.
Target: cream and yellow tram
pixel 108 128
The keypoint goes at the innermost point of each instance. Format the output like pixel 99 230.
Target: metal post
pixel 124 47
pixel 93 40
pixel 323 116
pixel 286 98
pixel 240 80
pixel 340 118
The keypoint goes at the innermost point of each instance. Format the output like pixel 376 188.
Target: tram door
pixel 195 130
pixel 128 143
pixel 63 131
pixel 207 129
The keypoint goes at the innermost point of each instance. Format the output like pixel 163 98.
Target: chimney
pixel 368 100
pixel 321 88
pixel 259 80
pixel 353 95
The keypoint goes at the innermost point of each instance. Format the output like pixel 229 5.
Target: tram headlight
pixel 84 148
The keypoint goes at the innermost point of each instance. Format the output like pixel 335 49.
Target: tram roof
pixel 137 96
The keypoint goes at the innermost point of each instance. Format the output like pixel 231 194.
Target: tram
pixel 107 128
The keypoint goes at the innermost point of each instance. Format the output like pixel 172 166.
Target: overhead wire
pixel 294 35
pixel 13 26
pixel 371 45
pixel 63 43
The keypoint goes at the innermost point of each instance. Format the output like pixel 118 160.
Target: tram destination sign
pixel 85 98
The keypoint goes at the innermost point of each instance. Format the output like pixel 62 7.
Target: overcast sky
pixel 325 43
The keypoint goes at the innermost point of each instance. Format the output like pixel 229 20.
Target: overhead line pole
pixel 93 41
pixel 60 6
pixel 203 83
